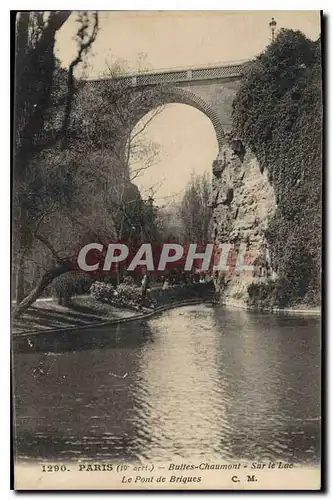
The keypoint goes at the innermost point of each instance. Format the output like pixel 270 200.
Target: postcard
pixel 166 250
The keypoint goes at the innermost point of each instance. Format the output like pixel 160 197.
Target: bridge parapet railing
pixel 179 75
pixel 219 72
pixel 192 74
pixel 155 78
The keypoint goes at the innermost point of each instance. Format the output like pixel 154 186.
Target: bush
pixel 69 284
pixel 128 296
pixel 261 295
pixel 129 292
pixel 128 280
pixel 102 291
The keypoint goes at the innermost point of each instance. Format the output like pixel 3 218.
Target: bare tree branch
pixel 49 246
pixel 37 264
pixel 84 47
pixel 153 115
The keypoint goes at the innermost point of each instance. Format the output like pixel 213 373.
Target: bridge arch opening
pixel 160 96
pixel 185 124
pixel 186 143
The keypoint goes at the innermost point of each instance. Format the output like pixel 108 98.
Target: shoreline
pixel 111 322
pixel 105 322
pixel 237 304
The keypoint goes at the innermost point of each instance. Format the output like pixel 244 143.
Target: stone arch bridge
pixel 209 89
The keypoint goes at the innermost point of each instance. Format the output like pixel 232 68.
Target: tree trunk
pixel 118 273
pixel 20 262
pixel 19 287
pixel 45 280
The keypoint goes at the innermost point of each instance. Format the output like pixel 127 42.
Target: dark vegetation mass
pixel 278 113
pixel 78 151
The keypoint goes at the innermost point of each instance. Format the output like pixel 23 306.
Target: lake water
pixel 196 382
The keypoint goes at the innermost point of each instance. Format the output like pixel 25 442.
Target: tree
pixel 195 209
pixel 34 73
pixel 80 189
pixel 115 124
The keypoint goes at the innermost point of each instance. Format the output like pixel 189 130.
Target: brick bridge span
pixel 210 89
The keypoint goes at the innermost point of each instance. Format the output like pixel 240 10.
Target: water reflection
pixel 272 364
pixel 195 382
pixel 177 382
pixel 80 404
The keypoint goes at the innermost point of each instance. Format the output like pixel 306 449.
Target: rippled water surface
pixel 195 382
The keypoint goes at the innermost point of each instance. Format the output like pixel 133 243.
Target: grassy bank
pixel 45 315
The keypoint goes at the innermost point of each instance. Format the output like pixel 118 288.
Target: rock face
pixel 242 201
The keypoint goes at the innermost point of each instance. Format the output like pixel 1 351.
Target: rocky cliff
pixel 242 201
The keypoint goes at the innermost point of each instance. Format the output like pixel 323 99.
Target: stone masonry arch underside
pixel 172 95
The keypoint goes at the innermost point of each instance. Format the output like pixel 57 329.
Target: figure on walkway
pixel 144 286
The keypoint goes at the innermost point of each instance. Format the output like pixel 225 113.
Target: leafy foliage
pixel 260 295
pixel 101 291
pixel 125 295
pixel 278 112
pixel 72 283
pixel 129 295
